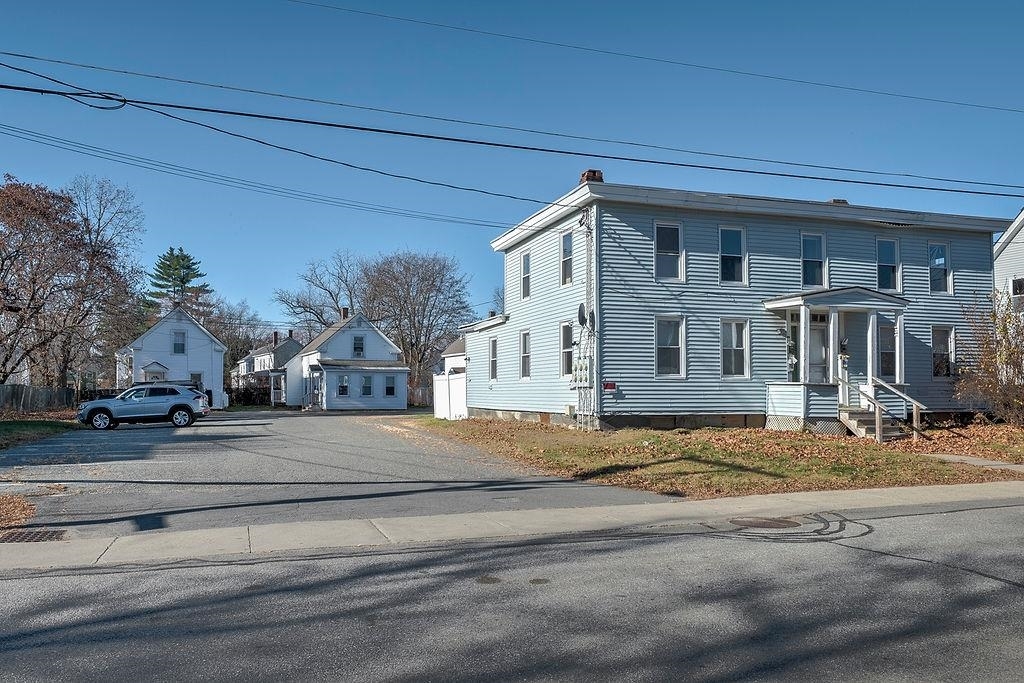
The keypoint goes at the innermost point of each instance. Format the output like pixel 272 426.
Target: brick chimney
pixel 291 333
pixel 275 337
pixel 344 313
pixel 592 175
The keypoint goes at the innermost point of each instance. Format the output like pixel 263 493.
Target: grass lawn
pixel 994 442
pixel 709 463
pixel 14 432
pixel 248 409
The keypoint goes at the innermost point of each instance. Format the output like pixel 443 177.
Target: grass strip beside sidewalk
pixel 15 432
pixel 711 463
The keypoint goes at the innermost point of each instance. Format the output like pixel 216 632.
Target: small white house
pixel 1009 259
pixel 351 365
pixel 265 367
pixel 176 348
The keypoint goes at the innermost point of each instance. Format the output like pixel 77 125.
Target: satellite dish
pixel 593 322
pixel 581 315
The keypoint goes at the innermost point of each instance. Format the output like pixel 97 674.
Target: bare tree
pixel 991 359
pixel 239 327
pixel 498 299
pixel 327 287
pixel 419 301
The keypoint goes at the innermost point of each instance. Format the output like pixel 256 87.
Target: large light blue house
pixel 636 305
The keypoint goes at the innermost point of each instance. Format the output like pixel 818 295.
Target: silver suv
pixel 173 403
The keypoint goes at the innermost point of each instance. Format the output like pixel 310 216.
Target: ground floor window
pixel 734 348
pixel 942 352
pixel 343 386
pixel 367 385
pixel 389 385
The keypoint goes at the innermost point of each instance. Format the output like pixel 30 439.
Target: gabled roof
pixel 324 336
pixel 1010 234
pixel 849 297
pixel 270 348
pixel 154 365
pixel 586 194
pixel 175 310
pixel 456 348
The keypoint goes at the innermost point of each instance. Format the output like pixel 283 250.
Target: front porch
pixel 845 363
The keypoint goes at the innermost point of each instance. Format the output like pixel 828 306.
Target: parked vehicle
pixel 175 403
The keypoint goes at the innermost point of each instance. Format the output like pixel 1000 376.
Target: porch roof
pixel 153 365
pixel 848 298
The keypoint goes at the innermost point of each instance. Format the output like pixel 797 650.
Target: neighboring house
pixel 1009 260
pixel 453 358
pixel 351 365
pixel 176 348
pixel 636 305
pixel 450 384
pixel 265 367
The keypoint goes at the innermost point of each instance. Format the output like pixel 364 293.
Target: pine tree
pixel 174 281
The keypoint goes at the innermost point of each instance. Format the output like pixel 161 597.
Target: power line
pixel 661 60
pixel 234 182
pixel 156 107
pixel 506 127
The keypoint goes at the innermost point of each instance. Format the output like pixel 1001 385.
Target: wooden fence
pixel 25 399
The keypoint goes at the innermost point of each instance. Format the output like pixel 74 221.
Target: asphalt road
pixel 914 595
pixel 236 469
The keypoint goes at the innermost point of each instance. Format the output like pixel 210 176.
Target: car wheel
pixel 182 417
pixel 101 419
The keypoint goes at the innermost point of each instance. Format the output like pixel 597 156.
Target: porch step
pixel 862 424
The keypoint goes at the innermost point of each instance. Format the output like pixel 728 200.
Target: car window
pixel 133 393
pixel 155 392
pixel 171 391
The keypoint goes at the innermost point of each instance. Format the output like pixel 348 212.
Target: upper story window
pixel 358 346
pixel 492 358
pixel 734 348
pixel 938 267
pixel 524 275
pixel 942 352
pixel 567 258
pixel 732 252
pixel 178 345
pixel 812 253
pixel 524 354
pixel 667 261
pixel 888 256
pixel 668 334
pixel 565 348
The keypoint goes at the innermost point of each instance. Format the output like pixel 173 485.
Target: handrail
pixel 899 393
pixel 879 408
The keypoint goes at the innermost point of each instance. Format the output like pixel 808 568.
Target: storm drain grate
pixel 34 536
pixel 764 522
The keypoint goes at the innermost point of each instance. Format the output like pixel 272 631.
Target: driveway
pixel 235 469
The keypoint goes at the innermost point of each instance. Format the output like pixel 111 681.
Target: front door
pixel 818 371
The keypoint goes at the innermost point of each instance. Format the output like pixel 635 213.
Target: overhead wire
pixel 158 107
pixel 663 60
pixel 506 127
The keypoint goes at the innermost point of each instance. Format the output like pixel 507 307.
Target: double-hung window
pixel 524 354
pixel 524 276
pixel 343 385
pixel 938 267
pixel 565 348
pixel 178 344
pixel 389 385
pixel 566 268
pixel 367 385
pixel 887 254
pixel 734 348
pixel 358 346
pixel 812 252
pixel 492 358
pixel 887 352
pixel 1017 286
pixel 667 261
pixel 732 254
pixel 942 352
pixel 668 333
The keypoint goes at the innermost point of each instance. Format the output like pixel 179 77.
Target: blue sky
pixel 250 244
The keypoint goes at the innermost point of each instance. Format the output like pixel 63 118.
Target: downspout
pixel 593 302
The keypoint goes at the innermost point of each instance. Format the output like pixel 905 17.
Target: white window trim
pixel 899 265
pixel 743 253
pixel 562 350
pixel 878 346
pixel 682 251
pixel 824 258
pixel 682 345
pixel 529 354
pixel 362 354
pixel 746 349
pixel 394 386
pixel 949 268
pixel 492 359
pixel 362 385
pixel 343 382
pixel 562 258
pixel 184 333
pixel 952 352
pixel 525 276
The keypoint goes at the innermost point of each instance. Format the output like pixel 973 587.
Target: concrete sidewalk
pixel 383 532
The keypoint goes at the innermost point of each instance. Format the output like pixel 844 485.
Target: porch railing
pixel 917 405
pixel 879 407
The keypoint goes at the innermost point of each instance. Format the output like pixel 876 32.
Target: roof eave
pixel 1011 232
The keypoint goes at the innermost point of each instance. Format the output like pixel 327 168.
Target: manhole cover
pixel 764 522
pixel 34 536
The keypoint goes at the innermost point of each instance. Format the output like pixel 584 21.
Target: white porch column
pixel 833 343
pixel 805 342
pixel 900 376
pixel 872 346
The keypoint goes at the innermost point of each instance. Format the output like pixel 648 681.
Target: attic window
pixel 358 346
pixel 179 342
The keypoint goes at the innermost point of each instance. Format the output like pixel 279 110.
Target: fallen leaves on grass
pixel 992 441
pixel 708 463
pixel 14 510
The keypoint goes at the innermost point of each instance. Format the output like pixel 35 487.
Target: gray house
pixel 1009 259
pixel 637 305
